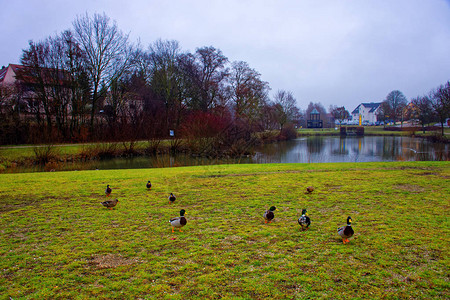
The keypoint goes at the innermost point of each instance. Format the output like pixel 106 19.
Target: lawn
pixel 58 242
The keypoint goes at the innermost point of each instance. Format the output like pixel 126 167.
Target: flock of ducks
pixel 304 221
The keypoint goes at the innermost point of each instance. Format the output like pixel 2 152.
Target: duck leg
pixel 173 229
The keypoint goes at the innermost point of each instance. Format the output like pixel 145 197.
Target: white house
pixel 367 111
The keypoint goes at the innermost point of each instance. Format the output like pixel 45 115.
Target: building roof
pixel 372 105
pixel 314 112
pixel 13 67
pixel 49 74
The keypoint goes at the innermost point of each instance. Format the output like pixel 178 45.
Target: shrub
pixel 99 151
pixel 202 131
pixel 288 132
pixel 43 154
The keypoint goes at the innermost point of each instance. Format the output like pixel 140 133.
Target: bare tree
pixel 205 73
pixel 339 113
pixel 395 102
pixel 247 91
pixel 108 53
pixel 440 101
pixel 423 110
pixel 285 104
pixel 166 80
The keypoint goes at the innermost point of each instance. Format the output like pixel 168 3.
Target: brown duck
pixel 110 203
pixel 309 189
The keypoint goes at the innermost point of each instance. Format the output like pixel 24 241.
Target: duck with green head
pixel 304 220
pixel 178 222
pixel 269 215
pixel 346 231
pixel 149 185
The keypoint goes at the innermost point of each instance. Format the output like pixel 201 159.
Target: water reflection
pixel 302 150
pixel 353 149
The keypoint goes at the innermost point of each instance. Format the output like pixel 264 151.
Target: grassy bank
pixel 58 242
pixel 370 130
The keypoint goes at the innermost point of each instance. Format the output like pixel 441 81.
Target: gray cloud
pixel 333 52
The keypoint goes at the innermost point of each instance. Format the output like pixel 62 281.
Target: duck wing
pixel 269 215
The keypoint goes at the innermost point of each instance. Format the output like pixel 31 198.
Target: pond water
pixel 301 150
pixel 353 149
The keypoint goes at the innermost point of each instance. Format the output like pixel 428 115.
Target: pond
pixel 353 149
pixel 301 150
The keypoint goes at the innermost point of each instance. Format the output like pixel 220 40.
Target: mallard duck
pixel 269 215
pixel 346 231
pixel 304 220
pixel 172 198
pixel 309 189
pixel 110 203
pixel 178 222
pixel 108 191
pixel 149 185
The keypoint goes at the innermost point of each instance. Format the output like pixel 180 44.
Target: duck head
pixel 272 208
pixel 304 212
pixel 182 213
pixel 349 220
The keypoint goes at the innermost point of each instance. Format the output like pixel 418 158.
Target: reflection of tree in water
pixel 388 148
pixel 314 144
pixel 278 148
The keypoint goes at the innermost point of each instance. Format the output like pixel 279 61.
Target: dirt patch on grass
pixel 112 261
pixel 16 204
pixel 410 188
pixel 262 173
pixel 428 174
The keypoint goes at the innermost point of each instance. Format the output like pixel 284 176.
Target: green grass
pixel 58 242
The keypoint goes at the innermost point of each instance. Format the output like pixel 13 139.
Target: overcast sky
pixel 327 51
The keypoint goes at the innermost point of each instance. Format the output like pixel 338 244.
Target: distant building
pixel 314 120
pixel 7 75
pixel 368 112
pixel 9 89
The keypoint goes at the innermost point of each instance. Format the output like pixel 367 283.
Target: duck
pixel 346 231
pixel 309 189
pixel 172 198
pixel 269 215
pixel 178 222
pixel 110 203
pixel 304 220
pixel 108 191
pixel 149 185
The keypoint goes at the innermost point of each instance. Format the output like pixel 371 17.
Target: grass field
pixel 58 242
